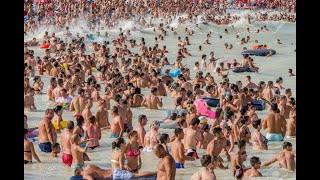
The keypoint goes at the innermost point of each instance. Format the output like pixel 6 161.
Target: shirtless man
pixel 78 103
pixel 65 144
pixel 236 159
pixel 267 92
pixel 192 136
pixel 47 134
pixel 142 121
pixel 57 91
pixel 51 87
pixel 166 166
pixel 86 113
pixel 192 113
pixel 102 115
pixel 77 152
pixel 253 172
pixel 215 147
pixel 285 158
pixel 208 163
pixel 250 85
pixel 166 77
pixel 177 149
pixel 94 172
pixel 151 101
pixel 117 126
pixel 275 123
pixel 292 125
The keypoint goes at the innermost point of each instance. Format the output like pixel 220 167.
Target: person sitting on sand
pixel 285 158
pixel 29 150
pixel 253 172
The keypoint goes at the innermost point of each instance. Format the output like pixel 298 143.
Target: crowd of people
pixel 77 79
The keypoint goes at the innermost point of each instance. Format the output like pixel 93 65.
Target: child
pixel 29 100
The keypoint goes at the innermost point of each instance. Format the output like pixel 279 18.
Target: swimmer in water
pixel 290 74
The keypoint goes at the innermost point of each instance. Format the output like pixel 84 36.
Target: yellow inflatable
pixel 65 65
pixel 93 68
pixel 62 123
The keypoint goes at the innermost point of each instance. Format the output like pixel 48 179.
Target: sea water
pixel 270 69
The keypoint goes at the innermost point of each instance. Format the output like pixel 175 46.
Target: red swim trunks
pixel 67 159
pixel 76 115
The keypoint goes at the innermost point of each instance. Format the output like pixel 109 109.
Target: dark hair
pixel 26 131
pixel 180 123
pixel 241 144
pixel 141 116
pixel 274 107
pixel 79 120
pixel 256 123
pixel 216 130
pixel 177 131
pixel 92 119
pixel 254 160
pixel 163 137
pixel 57 109
pixel 117 143
pixel 115 109
pixel 70 125
pixel 195 121
pixel 207 159
pixel 206 127
pixel 80 90
pixel 286 144
pixel 153 89
pixel 55 145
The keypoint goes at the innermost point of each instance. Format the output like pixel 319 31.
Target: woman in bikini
pixel 244 132
pixel 259 141
pixel 93 132
pixel 133 152
pixel 37 85
pixel 29 150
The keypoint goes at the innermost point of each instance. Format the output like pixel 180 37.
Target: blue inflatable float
pixel 26 17
pixel 241 69
pixel 259 105
pixel 258 52
pixel 90 37
pixel 212 102
pixel 173 74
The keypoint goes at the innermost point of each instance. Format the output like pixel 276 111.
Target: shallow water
pixel 270 69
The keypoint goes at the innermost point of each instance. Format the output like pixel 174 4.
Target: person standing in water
pixel 151 101
pixel 177 149
pixel 29 150
pixel 275 123
pixel 47 134
pixel 142 121
pixel 166 166
pixel 208 163
pixel 65 144
pixel 253 172
pixel 285 158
